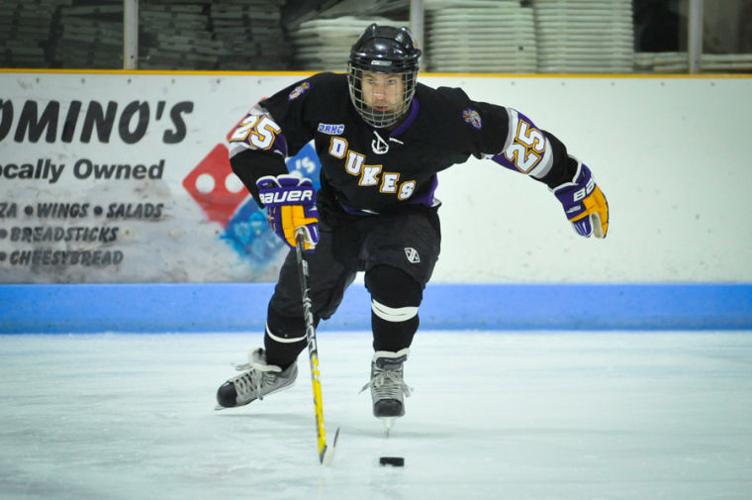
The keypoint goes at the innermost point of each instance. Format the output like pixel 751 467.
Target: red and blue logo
pixel 224 200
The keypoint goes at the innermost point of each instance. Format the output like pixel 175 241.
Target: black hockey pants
pixel 398 253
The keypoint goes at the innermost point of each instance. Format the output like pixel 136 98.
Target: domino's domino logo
pixel 224 200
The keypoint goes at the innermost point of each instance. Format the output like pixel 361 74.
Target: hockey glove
pixel 584 204
pixel 290 203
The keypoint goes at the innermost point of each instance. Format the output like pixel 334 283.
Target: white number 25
pixel 527 148
pixel 258 130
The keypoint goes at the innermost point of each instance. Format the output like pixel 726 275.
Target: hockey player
pixel 381 138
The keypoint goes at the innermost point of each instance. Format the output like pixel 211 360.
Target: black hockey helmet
pixel 383 49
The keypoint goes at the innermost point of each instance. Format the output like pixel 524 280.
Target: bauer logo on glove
pixel 280 196
pixel 290 204
pixel 584 204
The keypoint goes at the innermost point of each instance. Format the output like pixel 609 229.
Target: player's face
pixel 383 92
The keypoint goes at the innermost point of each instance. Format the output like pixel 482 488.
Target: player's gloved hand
pixel 290 203
pixel 584 204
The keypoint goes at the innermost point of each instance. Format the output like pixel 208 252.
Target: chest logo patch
pixel 472 117
pixel 379 145
pixel 331 128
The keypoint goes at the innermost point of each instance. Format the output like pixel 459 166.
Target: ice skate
pixel 387 386
pixel 258 379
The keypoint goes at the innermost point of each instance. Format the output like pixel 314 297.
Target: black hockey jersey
pixel 366 170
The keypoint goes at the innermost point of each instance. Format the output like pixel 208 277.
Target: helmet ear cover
pixel 383 49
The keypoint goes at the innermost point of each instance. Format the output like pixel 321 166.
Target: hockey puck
pixel 394 461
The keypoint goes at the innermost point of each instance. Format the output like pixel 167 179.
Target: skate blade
pixel 388 424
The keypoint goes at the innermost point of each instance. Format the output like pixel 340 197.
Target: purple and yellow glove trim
pixel 584 204
pixel 290 204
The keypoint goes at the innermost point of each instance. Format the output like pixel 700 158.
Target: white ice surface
pixel 494 415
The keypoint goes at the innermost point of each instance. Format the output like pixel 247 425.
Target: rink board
pixel 227 307
pixel 147 194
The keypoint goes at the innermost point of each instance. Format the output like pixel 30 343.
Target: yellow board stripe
pixel 591 75
pixel 138 72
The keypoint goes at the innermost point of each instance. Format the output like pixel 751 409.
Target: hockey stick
pixel 326 454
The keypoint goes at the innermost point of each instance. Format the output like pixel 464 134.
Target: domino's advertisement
pixel 119 177
pixel 112 179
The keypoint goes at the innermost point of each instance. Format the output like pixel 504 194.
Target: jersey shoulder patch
pixel 451 116
pixel 322 94
pixel 451 106
pixel 321 85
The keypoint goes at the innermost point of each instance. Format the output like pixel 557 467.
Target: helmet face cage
pixel 389 117
pixel 384 50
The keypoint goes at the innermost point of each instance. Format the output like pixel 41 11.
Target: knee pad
pixel 284 338
pixel 283 328
pixel 395 295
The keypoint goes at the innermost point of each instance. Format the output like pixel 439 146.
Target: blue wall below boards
pixel 78 308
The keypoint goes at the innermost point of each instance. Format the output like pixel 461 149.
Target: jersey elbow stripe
pixel 512 127
pixel 544 167
pixel 393 314
pixel 237 148
pixel 283 340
